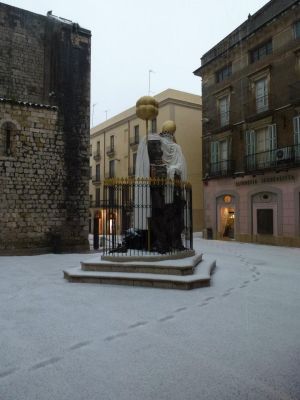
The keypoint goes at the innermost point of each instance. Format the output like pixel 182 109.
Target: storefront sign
pixel 266 179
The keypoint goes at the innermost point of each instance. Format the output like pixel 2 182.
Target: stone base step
pixel 166 267
pixel 200 278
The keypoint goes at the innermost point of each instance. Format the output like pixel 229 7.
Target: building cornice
pixel 255 22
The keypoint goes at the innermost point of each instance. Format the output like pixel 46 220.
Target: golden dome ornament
pixel 147 108
pixel 169 127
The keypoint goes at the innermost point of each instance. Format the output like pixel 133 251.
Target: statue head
pixel 168 127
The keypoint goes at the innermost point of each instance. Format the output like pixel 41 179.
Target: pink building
pixel 251 129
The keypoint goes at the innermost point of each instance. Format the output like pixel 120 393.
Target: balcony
pixel 110 151
pixel 220 121
pixel 134 142
pixel 97 203
pixel 258 106
pixel 278 159
pixel 222 168
pixel 96 179
pixel 97 155
pixel 109 175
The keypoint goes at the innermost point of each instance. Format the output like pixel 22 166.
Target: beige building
pixel 114 146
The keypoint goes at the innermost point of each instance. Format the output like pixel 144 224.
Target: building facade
pixel 44 133
pixel 251 129
pixel 114 145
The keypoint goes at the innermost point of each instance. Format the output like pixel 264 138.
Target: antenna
pixel 149 80
pixel 93 113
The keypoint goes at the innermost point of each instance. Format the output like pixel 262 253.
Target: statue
pixel 159 203
pixel 159 156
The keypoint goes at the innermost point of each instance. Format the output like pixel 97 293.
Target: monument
pixel 161 220
pixel 149 235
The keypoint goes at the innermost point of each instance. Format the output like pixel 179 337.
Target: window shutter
pixel 272 133
pixel 214 152
pixel 250 142
pixel 296 123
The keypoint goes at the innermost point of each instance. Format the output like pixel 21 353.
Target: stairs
pixel 154 271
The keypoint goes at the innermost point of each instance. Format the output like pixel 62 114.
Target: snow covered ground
pixel 238 339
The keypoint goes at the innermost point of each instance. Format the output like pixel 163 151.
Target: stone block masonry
pixel 44 133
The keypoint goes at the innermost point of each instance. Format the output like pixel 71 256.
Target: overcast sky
pixel 131 37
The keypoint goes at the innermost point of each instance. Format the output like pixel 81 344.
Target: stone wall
pixel 45 96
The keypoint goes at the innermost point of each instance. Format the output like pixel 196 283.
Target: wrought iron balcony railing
pixel 97 155
pixel 110 151
pixel 221 168
pixel 97 203
pixel 282 157
pixel 96 179
pixel 134 141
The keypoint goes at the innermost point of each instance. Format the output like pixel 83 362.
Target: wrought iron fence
pixel 147 215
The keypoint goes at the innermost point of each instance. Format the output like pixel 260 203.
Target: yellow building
pixel 114 143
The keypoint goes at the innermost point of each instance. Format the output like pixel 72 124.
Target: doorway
pixel 227 222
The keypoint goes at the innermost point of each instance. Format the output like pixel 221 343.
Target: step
pixel 201 277
pixel 182 266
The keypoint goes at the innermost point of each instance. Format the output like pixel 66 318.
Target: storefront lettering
pixel 247 182
pixel 270 179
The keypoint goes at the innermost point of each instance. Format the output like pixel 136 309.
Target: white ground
pixel 238 339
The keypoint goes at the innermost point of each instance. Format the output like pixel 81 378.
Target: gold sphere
pixel 147 107
pixel 169 126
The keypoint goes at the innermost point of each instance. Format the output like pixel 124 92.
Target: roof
pixel 263 16
pixel 166 96
pixel 27 104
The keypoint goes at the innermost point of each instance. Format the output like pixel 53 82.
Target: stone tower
pixel 44 132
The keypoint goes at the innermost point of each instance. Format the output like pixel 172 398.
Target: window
pixel 264 221
pixel 296 125
pixel 224 110
pixel 297 29
pixel 136 134
pixel 7 136
pixel 133 162
pixel 97 197
pixel 91 147
pixel 98 172
pixel 90 172
pixel 261 94
pixel 260 146
pixel 98 148
pixel 261 51
pixel 223 73
pixel 219 163
pixel 153 125
pixel 112 143
pixel 112 169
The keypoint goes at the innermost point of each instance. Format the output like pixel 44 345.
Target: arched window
pixel 7 139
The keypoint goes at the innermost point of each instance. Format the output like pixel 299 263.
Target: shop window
pixel 265 221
